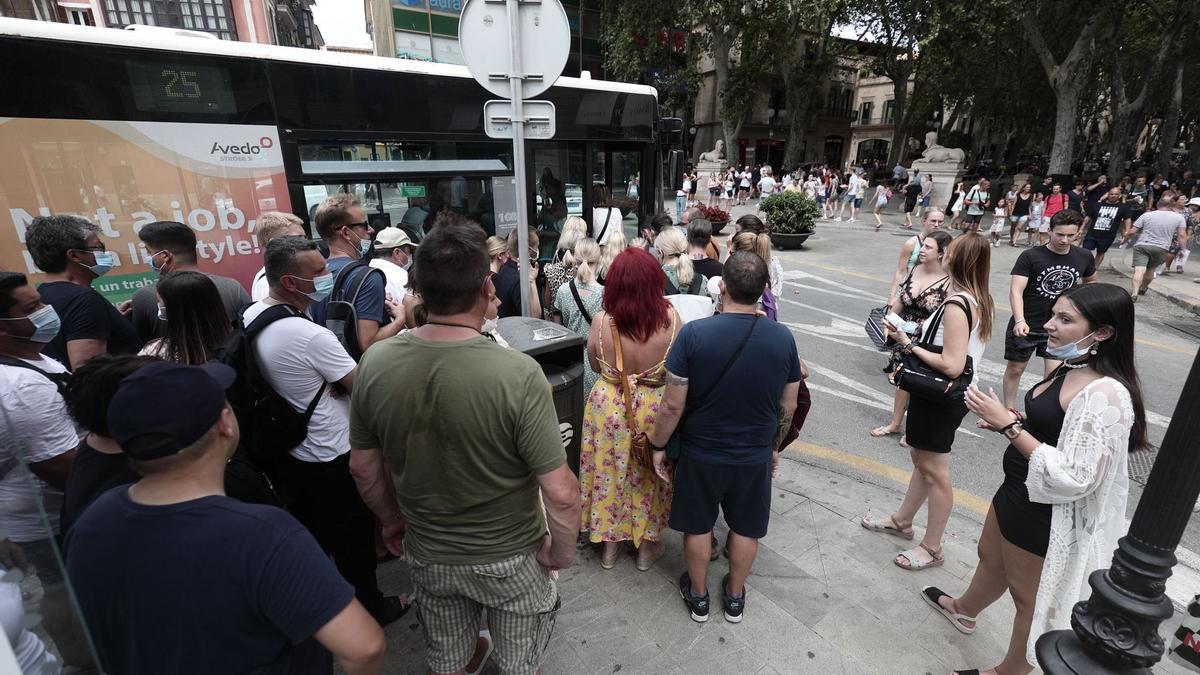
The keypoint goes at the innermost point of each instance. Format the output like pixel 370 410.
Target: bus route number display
pixel 160 86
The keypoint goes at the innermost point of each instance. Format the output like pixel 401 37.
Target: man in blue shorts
pixel 1105 219
pixel 742 372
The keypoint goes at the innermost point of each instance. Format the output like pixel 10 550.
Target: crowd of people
pixel 255 456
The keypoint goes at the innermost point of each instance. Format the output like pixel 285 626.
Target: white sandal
pixel 888 526
pixel 914 564
pixel 932 594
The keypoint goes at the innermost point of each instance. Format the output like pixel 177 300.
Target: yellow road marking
pixel 961 498
pixel 999 305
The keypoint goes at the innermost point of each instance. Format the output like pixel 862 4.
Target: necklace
pixel 1079 364
pixel 448 324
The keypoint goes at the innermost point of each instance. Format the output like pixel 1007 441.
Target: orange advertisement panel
pixel 216 178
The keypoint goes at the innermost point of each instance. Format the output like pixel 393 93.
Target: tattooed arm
pixel 670 410
pixel 787 408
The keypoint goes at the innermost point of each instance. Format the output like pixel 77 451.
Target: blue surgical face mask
pixel 105 260
pixel 364 246
pixel 322 286
pixel 150 261
pixel 1070 351
pixel 46 324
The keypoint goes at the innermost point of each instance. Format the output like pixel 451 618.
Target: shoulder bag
pixel 675 444
pixel 604 229
pixel 920 379
pixel 579 303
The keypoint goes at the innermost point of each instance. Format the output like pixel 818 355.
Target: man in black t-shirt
pixel 1047 186
pixel 69 250
pixel 1039 276
pixel 1107 218
pixel 172 576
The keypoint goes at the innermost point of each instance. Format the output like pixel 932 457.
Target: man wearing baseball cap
pixel 173 576
pixel 394 255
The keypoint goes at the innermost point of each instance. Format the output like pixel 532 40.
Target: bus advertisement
pixel 122 175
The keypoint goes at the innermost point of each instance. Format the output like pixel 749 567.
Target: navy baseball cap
pixel 171 401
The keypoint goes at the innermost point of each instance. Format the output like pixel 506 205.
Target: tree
pixel 899 28
pixel 1147 35
pixel 634 50
pixel 1068 76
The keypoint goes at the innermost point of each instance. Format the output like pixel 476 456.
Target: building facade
pixel 764 135
pixel 874 119
pixel 427 30
pixel 282 22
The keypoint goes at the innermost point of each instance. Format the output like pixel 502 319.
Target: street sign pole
pixel 516 79
pixel 487 30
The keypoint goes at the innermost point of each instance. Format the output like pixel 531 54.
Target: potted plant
pixel 791 217
pixel 718 218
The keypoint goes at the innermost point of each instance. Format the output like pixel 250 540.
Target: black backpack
pixel 693 288
pixel 270 426
pixel 60 380
pixel 341 318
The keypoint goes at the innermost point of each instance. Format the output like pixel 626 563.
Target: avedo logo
pixel 246 148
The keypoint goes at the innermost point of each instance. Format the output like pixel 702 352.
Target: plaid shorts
pixel 517 594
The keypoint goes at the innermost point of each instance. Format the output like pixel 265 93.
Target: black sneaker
pixel 733 606
pixel 697 606
pixel 393 608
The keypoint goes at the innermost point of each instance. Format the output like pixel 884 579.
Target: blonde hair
pixel 496 245
pixel 610 250
pixel 271 224
pixel 758 244
pixel 673 245
pixel 585 259
pixel 969 269
pixel 573 230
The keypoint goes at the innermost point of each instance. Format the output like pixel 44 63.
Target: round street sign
pixel 483 33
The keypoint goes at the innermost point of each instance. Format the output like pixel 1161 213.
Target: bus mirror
pixel 670 125
pixel 675 166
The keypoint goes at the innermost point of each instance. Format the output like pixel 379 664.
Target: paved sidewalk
pixel 824 597
pixel 1178 288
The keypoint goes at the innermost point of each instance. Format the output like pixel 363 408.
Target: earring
pixel 1094 348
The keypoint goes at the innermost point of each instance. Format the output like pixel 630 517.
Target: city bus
pixel 132 127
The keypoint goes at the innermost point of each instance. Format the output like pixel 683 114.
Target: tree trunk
pixel 722 44
pixel 799 104
pixel 1170 131
pixel 1118 147
pixel 899 133
pixel 1067 108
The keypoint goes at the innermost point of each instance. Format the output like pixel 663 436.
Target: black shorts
pixel 972 220
pixel 931 425
pixel 742 492
pixel 1022 348
pixel 1098 244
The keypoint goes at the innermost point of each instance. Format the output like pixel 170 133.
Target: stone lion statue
pixel 937 153
pixel 717 154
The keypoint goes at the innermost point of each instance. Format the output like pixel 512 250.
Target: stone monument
pixel 943 166
pixel 710 163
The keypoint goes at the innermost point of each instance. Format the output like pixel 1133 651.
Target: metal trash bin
pixel 560 352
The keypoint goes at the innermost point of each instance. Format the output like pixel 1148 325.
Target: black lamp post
pixel 1116 630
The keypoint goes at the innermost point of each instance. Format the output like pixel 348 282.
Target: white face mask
pixel 489 326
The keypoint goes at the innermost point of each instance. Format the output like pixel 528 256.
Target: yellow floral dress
pixel 622 498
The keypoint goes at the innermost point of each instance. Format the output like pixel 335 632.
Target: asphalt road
pixel 843 271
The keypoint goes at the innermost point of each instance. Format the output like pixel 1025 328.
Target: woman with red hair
pixel 623 500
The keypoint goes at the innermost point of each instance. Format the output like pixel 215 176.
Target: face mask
pixel 150 261
pixel 322 287
pixel 46 324
pixel 489 326
pixel 1071 351
pixel 162 313
pixel 104 262
pixel 364 246
pixel 408 264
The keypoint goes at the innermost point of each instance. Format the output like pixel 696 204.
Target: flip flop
pixel 915 565
pixel 887 526
pixel 880 434
pixel 932 594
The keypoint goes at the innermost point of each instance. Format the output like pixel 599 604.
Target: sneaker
pixel 838 219
pixel 733 606
pixel 698 607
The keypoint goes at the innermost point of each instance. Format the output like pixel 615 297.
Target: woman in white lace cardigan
pixel 1061 508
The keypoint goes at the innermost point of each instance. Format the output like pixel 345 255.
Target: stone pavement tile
pixel 783 501
pixel 787 645
pixel 882 647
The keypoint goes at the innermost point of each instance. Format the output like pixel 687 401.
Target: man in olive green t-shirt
pixel 470 435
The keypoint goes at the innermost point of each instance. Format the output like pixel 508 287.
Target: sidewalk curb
pixel 1126 271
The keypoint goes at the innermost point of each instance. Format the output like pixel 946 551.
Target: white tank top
pixel 975 345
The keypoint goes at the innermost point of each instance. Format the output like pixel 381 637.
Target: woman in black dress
pixel 1020 213
pixel 953 334
pixel 1058 514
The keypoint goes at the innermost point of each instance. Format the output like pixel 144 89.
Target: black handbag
pixel 920 379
